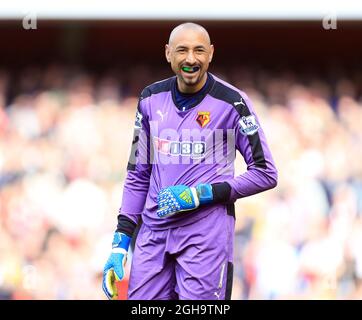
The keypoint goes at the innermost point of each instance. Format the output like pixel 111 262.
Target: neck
pixel 184 88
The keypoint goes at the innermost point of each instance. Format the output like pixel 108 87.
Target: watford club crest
pixel 203 118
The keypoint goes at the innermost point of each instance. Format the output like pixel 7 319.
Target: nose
pixel 190 59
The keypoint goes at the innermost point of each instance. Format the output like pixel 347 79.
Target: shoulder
pixel 157 87
pixel 229 94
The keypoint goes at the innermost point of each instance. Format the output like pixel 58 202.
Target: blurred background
pixel 70 77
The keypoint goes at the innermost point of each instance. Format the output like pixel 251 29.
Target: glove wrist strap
pixel 204 192
pixel 121 241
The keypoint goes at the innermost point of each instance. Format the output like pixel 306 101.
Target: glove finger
pixel 119 271
pixel 165 212
pixel 169 199
pixel 105 290
pixel 104 286
pixel 163 197
pixel 162 203
pixel 109 285
pixel 166 193
pixel 161 212
pixel 165 201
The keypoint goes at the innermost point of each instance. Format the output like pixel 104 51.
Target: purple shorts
pixel 192 262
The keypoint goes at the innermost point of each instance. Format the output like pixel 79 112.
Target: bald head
pixel 187 27
pixel 189 52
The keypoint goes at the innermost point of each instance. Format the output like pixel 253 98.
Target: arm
pixel 133 201
pixel 138 170
pixel 250 141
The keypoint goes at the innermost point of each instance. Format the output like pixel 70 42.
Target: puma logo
pixel 161 114
pixel 239 102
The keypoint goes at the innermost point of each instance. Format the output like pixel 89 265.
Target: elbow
pixel 269 177
pixel 273 183
pixel 273 178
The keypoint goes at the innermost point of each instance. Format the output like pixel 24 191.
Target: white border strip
pixel 190 9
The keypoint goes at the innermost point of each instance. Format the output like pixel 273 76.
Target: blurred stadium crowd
pixel 65 136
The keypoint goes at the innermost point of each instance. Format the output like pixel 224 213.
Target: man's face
pixel 190 49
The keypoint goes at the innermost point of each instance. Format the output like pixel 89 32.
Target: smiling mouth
pixel 190 69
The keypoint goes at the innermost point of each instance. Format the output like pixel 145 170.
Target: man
pixel 180 180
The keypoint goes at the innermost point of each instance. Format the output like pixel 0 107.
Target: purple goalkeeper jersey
pixel 172 147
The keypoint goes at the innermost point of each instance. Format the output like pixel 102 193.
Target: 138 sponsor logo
pixel 184 148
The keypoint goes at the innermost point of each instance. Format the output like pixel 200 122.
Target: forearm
pixel 126 225
pixel 252 182
pixel 221 192
pixel 247 184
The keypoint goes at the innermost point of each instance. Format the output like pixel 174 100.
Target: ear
pixel 211 52
pixel 167 53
